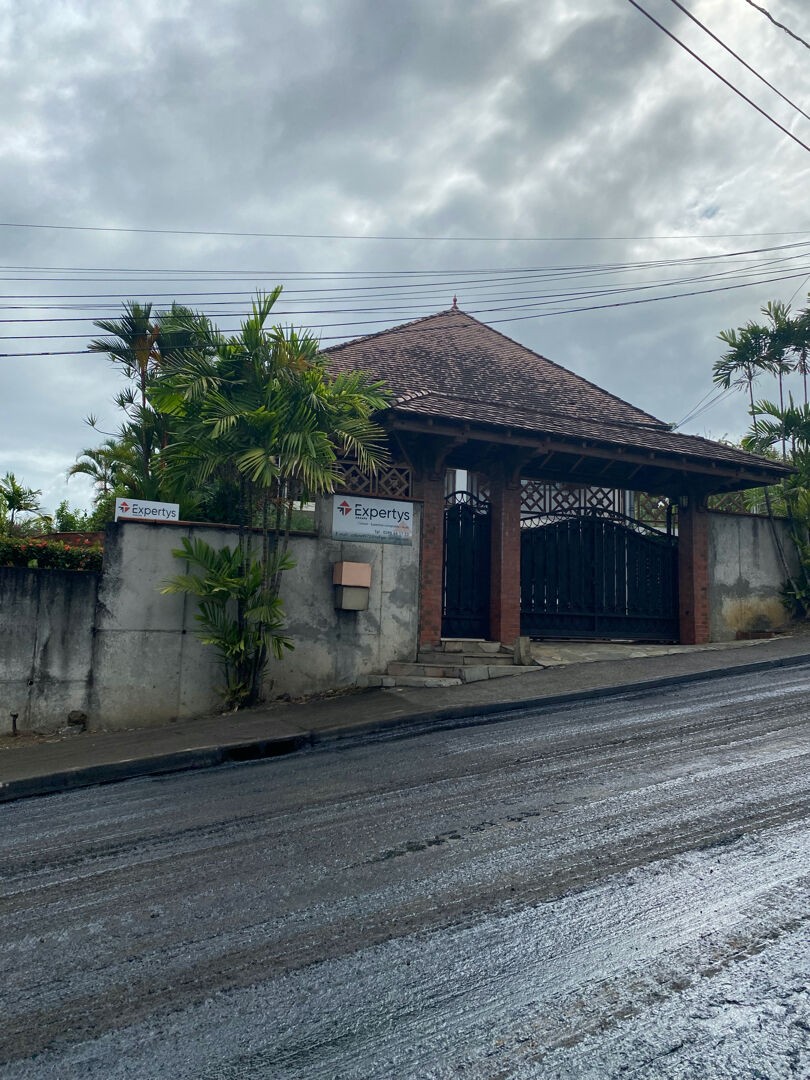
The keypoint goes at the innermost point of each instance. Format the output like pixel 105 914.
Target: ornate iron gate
pixel 597 574
pixel 465 607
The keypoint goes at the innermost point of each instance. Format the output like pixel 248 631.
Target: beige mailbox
pixel 352 581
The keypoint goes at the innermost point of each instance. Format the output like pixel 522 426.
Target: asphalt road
pixel 618 889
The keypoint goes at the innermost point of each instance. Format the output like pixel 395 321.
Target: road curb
pixel 401 727
pixel 467 716
pixel 180 761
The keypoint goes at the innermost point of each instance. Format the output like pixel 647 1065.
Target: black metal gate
pixel 597 574
pixel 465 595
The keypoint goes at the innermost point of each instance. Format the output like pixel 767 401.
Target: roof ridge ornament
pixel 454 306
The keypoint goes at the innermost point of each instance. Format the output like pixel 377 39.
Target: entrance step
pixel 472 647
pixel 425 668
pixel 390 681
pixel 439 659
pixel 456 661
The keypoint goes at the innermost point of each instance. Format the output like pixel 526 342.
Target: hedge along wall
pixel 129 656
pixel 46 645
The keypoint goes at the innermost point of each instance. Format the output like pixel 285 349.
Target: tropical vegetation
pixel 243 429
pixel 257 424
pixel 777 347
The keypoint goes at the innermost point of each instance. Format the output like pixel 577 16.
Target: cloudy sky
pixel 532 158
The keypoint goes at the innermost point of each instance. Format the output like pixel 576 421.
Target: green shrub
pixel 46 554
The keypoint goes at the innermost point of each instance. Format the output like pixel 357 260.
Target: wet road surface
pixel 617 889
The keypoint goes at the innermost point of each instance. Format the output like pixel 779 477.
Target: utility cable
pixel 410 239
pixel 716 73
pixel 409 328
pixel 737 57
pixel 781 26
pixel 400 306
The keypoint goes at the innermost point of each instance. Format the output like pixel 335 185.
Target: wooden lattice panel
pixel 731 502
pixel 651 509
pixel 543 498
pixel 389 482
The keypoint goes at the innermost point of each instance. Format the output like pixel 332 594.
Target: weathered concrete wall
pixel 334 647
pixel 115 648
pixel 46 645
pixel 746 574
pixel 149 666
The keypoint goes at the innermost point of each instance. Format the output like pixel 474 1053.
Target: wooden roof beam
pixel 699 467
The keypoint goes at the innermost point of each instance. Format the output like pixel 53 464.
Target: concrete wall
pixel 746 574
pixel 148 665
pixel 114 647
pixel 334 647
pixel 46 645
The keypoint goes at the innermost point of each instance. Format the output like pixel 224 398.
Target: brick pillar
pixel 430 489
pixel 693 572
pixel 504 602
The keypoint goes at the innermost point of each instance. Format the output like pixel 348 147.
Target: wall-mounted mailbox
pixel 352 581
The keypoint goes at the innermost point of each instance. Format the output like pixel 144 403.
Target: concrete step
pixel 472 646
pixel 425 670
pixel 389 681
pixel 441 659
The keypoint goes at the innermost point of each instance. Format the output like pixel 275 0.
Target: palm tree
pixel 259 411
pixel 782 337
pixel 801 347
pixel 18 499
pixel 134 345
pixel 749 355
pixel 108 466
pixel 139 344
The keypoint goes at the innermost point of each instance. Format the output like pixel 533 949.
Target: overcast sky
pixel 573 129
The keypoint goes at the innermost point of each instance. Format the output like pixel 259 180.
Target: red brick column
pixel 431 571
pixel 504 601
pixel 693 572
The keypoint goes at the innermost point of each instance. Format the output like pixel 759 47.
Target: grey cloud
pixel 454 118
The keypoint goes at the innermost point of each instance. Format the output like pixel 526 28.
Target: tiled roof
pixel 450 365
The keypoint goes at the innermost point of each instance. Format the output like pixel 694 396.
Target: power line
pixel 717 74
pixel 492 322
pixel 737 57
pixel 781 26
pixel 475 279
pixel 353 274
pixel 149 231
pixel 714 395
pixel 404 304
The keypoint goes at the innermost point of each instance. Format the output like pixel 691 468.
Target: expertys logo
pixel 345 508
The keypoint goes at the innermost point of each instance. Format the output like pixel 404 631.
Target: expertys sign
pixel 382 520
pixel 141 510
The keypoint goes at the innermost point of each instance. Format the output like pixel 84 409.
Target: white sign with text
pixel 385 521
pixel 141 510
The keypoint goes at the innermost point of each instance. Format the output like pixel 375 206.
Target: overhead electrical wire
pixel 254 234
pixel 400 305
pixel 493 322
pixel 714 395
pixel 781 26
pixel 717 74
pixel 473 280
pixel 477 274
pixel 737 57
